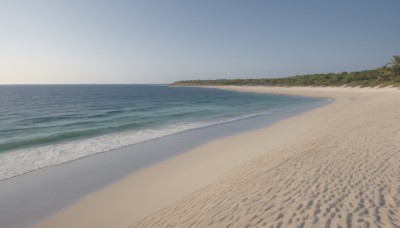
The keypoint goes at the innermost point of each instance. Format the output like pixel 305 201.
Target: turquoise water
pixel 45 125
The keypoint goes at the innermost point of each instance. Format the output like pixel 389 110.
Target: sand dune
pixel 345 172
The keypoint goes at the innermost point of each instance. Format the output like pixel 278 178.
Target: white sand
pixel 336 166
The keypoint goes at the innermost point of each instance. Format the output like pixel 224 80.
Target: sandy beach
pixel 335 166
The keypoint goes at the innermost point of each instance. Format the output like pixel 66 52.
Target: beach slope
pixel 337 166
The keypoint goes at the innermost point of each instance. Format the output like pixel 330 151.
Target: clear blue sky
pixel 79 41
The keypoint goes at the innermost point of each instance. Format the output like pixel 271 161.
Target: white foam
pixel 19 162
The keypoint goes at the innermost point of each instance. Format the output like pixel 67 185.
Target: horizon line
pixel 10 84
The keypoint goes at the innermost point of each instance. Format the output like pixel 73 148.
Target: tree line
pixel 389 74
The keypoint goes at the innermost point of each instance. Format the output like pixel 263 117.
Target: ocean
pixel 44 125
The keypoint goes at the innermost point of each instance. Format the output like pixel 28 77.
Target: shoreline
pixel 194 163
pixel 45 192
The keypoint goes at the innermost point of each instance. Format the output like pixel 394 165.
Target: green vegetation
pixel 386 75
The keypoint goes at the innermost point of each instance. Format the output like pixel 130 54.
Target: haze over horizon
pixel 100 42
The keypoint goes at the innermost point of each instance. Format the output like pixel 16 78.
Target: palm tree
pixel 395 66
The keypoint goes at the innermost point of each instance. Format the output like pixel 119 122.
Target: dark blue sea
pixel 43 125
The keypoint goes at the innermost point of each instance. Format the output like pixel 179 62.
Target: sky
pixel 120 41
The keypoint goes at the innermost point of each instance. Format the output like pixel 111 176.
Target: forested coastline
pixel 386 75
